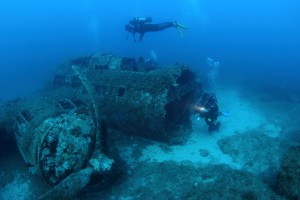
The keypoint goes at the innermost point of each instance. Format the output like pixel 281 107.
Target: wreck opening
pixel 8 144
pixel 121 91
pixel 178 111
pixel 183 93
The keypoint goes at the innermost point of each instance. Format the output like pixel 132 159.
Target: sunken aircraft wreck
pixel 61 131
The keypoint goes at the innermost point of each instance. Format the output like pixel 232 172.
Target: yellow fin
pixel 180 31
pixel 179 28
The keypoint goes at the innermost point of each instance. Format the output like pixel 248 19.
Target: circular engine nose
pixel 66 146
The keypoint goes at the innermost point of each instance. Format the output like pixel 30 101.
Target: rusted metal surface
pixel 59 131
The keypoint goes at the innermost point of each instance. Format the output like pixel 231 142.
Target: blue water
pixel 249 38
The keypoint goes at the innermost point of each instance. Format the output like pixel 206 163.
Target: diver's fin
pixel 179 28
pixel 180 31
pixel 225 113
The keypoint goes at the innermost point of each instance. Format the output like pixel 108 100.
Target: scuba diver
pixel 141 25
pixel 209 110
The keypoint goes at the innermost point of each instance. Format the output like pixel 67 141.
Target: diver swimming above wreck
pixel 143 25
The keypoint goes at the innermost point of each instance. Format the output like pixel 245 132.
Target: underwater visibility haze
pixel 211 112
pixel 253 36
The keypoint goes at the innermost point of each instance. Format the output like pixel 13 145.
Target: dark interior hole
pixel 101 89
pixel 101 67
pixel 26 115
pixel 59 80
pixel 8 145
pixel 82 62
pixel 129 64
pixel 77 102
pixel 141 60
pixel 67 105
pixel 121 91
pixel 185 77
pixel 75 82
pixel 178 111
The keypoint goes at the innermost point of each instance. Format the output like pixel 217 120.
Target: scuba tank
pixel 142 19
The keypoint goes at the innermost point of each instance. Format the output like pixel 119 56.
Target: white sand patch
pixel 190 151
pixel 271 130
pixel 243 116
pixel 17 189
pixel 127 154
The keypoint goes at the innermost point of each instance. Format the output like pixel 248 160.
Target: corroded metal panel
pixel 60 131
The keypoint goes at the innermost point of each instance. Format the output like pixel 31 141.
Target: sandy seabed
pixel 251 139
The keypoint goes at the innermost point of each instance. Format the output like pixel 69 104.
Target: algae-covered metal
pixel 132 98
pixel 59 132
pixel 59 135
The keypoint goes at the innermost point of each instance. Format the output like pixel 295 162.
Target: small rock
pixel 203 152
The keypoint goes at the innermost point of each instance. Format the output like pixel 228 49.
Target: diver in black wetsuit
pixel 141 25
pixel 209 110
